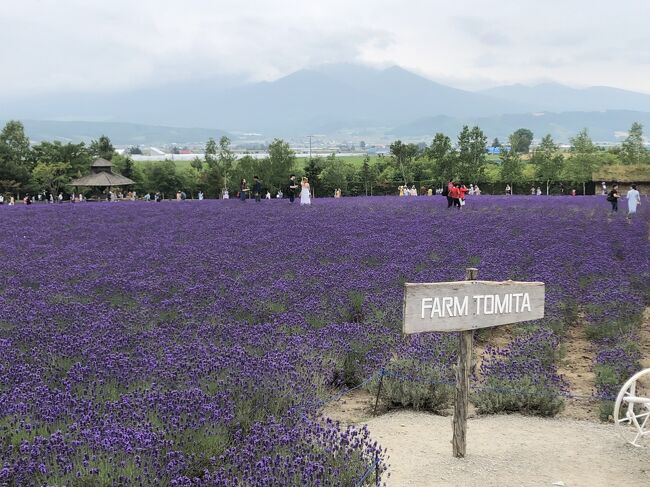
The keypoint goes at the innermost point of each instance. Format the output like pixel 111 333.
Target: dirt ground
pixel 508 450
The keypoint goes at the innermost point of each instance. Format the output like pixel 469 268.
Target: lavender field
pixel 194 343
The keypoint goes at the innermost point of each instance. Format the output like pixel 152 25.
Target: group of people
pixel 633 199
pixel 292 191
pixel 456 193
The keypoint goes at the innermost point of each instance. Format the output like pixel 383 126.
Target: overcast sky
pixel 108 45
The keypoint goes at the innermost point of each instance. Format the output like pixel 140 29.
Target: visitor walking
pixel 305 197
pixel 243 190
pixel 613 197
pixel 633 200
pixel 293 187
pixel 477 190
pixel 454 193
pixel 446 190
pixel 268 195
pixel 539 191
pixel 2 199
pixel 508 190
pixel 200 195
pixel 603 185
pixel 257 189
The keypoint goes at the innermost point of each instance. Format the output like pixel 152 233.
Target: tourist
pixel 539 191
pixel 293 186
pixel 279 195
pixel 2 199
pixel 532 190
pixel 446 190
pixel 257 189
pixel 12 200
pixel 243 190
pixel 477 190
pixel 573 192
pixel 268 195
pixel 157 198
pixel 603 185
pixel 226 195
pixel 430 192
pixel 60 197
pixel 508 190
pixel 613 197
pixel 633 200
pixel 200 195
pixel 463 193
pixel 305 197
pixel 454 193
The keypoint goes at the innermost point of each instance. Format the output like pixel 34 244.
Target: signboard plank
pixel 469 305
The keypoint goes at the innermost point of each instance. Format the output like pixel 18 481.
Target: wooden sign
pixel 465 306
pixel 468 305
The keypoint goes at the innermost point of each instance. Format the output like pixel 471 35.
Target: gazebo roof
pixel 101 163
pixel 102 179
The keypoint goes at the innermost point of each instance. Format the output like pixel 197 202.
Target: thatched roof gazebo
pixel 101 176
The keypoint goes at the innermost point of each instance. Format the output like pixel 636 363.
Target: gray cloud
pixel 102 45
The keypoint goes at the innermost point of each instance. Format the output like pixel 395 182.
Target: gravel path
pixel 508 451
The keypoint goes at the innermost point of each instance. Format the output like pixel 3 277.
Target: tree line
pixel 50 166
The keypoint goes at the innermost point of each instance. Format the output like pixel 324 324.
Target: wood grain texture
pixel 469 305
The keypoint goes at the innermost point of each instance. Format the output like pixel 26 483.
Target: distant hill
pixel 603 126
pixel 119 133
pixel 331 99
pixel 555 97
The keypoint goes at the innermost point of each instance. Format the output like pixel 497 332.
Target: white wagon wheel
pixel 632 409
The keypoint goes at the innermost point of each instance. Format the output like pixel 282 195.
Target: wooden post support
pixel 461 402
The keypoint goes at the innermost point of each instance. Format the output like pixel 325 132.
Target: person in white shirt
pixel 633 200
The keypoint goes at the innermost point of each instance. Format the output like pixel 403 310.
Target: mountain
pixel 603 126
pixel 335 97
pixel 119 133
pixel 559 98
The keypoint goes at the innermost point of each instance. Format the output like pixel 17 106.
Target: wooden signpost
pixel 465 306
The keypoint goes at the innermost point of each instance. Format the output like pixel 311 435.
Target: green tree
pixel 124 165
pixel 443 156
pixel 583 161
pixel 162 177
pixel 633 150
pixel 280 163
pixel 52 177
pixel 210 152
pixel 15 158
pixel 226 158
pixel 78 156
pixel 496 143
pixel 337 173
pixel 313 170
pixel 471 159
pixel 520 140
pixel 512 167
pixel 548 162
pixel 15 140
pixel 366 173
pixel 403 157
pixel 103 148
pixel 197 164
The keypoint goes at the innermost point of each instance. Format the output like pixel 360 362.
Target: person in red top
pixel 463 192
pixel 455 194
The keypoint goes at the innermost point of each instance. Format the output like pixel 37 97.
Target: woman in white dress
pixel 633 200
pixel 305 198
